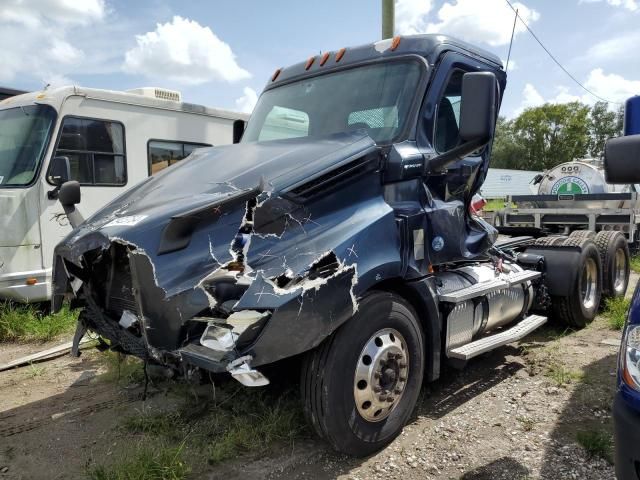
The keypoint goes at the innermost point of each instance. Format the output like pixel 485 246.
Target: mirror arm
pixel 440 162
pixel 53 194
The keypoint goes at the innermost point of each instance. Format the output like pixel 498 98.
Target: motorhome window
pixel 447 124
pixel 164 153
pixel 95 149
pixel 377 98
pixel 24 136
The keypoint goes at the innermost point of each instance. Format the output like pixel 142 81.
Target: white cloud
pixel 411 16
pixel 488 21
pixel 34 33
pixel 631 5
pixel 34 13
pixel 615 48
pixel 530 98
pixel 247 101
pixel 185 52
pixel 612 87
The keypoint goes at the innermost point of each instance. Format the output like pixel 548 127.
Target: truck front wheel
pixel 360 386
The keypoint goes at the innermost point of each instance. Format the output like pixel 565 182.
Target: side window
pixel 95 149
pixel 448 115
pixel 282 122
pixel 164 153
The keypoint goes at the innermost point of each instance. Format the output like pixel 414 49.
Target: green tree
pixel 542 137
pixel 507 151
pixel 604 124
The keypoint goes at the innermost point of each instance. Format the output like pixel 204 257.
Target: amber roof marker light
pixel 307 66
pixel 395 42
pixel 340 54
pixel 275 74
pixel 324 59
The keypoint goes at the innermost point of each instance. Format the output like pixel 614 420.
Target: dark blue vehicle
pixel 622 160
pixel 337 235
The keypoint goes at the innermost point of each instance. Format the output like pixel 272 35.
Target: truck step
pixel 483 345
pixel 483 288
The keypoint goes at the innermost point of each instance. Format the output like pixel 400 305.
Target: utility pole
pixel 388 18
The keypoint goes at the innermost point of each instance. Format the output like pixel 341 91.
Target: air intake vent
pixel 335 178
pixel 160 93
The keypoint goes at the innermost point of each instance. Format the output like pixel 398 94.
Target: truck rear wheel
pixel 580 306
pixel 614 255
pixel 551 240
pixel 583 234
pixel 360 386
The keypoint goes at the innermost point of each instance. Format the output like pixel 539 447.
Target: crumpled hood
pixel 212 173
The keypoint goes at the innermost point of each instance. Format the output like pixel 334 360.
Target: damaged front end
pixel 231 270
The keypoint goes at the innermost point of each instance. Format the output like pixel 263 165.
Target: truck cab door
pixel 453 234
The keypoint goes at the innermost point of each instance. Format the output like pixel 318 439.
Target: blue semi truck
pixel 622 164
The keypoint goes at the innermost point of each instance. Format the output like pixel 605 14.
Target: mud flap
pixel 560 267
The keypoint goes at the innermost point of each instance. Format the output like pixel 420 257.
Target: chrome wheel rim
pixel 589 285
pixel 381 375
pixel 620 270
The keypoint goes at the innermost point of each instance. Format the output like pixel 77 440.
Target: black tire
pixel 550 241
pixel 574 310
pixel 583 234
pixel 615 258
pixel 328 377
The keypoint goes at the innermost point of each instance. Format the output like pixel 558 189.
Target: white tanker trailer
pixel 573 196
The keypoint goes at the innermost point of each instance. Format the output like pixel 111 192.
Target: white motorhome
pixel 112 140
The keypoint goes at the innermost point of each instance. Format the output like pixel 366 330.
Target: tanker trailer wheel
pixel 360 385
pixel 614 255
pixel 580 307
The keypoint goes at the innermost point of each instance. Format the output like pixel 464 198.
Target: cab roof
pixel 429 47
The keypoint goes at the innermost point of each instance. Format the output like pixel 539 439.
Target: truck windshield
pixel 376 98
pixel 24 134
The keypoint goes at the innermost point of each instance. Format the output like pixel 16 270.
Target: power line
pixel 556 60
pixel 513 32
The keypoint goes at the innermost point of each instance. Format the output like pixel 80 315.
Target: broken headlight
pixel 630 358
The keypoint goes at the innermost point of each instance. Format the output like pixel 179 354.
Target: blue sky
pixel 220 53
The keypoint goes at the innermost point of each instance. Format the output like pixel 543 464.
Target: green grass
pixel 615 311
pixel 35 370
pixel 527 423
pixel 121 368
pixel 254 427
pixel 25 323
pixel 562 375
pixel 496 204
pixel 168 425
pixel 240 422
pixel 597 443
pixel 148 462
pixel 635 263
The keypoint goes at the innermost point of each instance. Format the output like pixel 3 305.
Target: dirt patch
pixel 518 412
